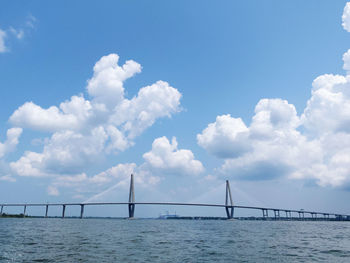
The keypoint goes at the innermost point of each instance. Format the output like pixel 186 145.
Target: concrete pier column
pixel 1 210
pixel 277 214
pixel 131 205
pixel 81 211
pixel 24 211
pixel 228 201
pixel 63 210
pixel 301 215
pixel 47 210
pixel 265 213
pixel 314 216
pixel 287 214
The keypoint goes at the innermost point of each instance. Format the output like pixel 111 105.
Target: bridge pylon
pixel 131 205
pixel 228 201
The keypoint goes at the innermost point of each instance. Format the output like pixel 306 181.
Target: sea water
pixel 151 240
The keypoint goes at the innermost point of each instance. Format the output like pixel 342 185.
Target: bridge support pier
pixel 288 214
pixel 131 205
pixel 314 216
pixel 2 209
pixel 265 213
pixel 47 210
pixel 228 201
pixel 81 211
pixel 277 214
pixel 24 211
pixel 301 215
pixel 63 210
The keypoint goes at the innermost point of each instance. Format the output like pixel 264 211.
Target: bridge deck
pixel 174 204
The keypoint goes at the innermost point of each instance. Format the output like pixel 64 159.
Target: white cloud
pixel 278 142
pixel 328 109
pixel 119 172
pixel 67 152
pixel 8 178
pixel 30 22
pixel 152 102
pixel 115 177
pixel 3 47
pixel 346 17
pixel 18 33
pixel 346 59
pixel 229 137
pixel 106 85
pixel 167 158
pixel 83 130
pixel 11 142
pixel 314 146
pixel 269 146
pixel 164 158
pixel 51 190
pixel 226 137
pixel 30 115
pixel 30 164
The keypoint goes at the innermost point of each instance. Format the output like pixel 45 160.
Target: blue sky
pixel 214 59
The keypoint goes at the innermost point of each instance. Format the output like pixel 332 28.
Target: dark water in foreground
pixel 107 240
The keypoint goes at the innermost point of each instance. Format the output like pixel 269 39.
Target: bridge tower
pixel 131 198
pixel 228 201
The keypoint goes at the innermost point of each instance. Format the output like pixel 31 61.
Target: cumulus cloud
pixel 66 152
pixel 119 172
pixel 163 159
pixel 166 157
pixel 270 146
pixel 152 102
pixel 346 59
pixel 11 141
pixel 106 85
pixel 346 17
pixel 279 142
pixel 328 109
pixel 30 115
pixel 225 138
pixel 83 130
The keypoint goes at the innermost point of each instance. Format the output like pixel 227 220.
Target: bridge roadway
pixel 313 213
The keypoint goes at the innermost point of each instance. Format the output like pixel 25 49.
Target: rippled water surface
pixel 108 240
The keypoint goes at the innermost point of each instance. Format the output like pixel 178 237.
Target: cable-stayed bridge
pixel 228 206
